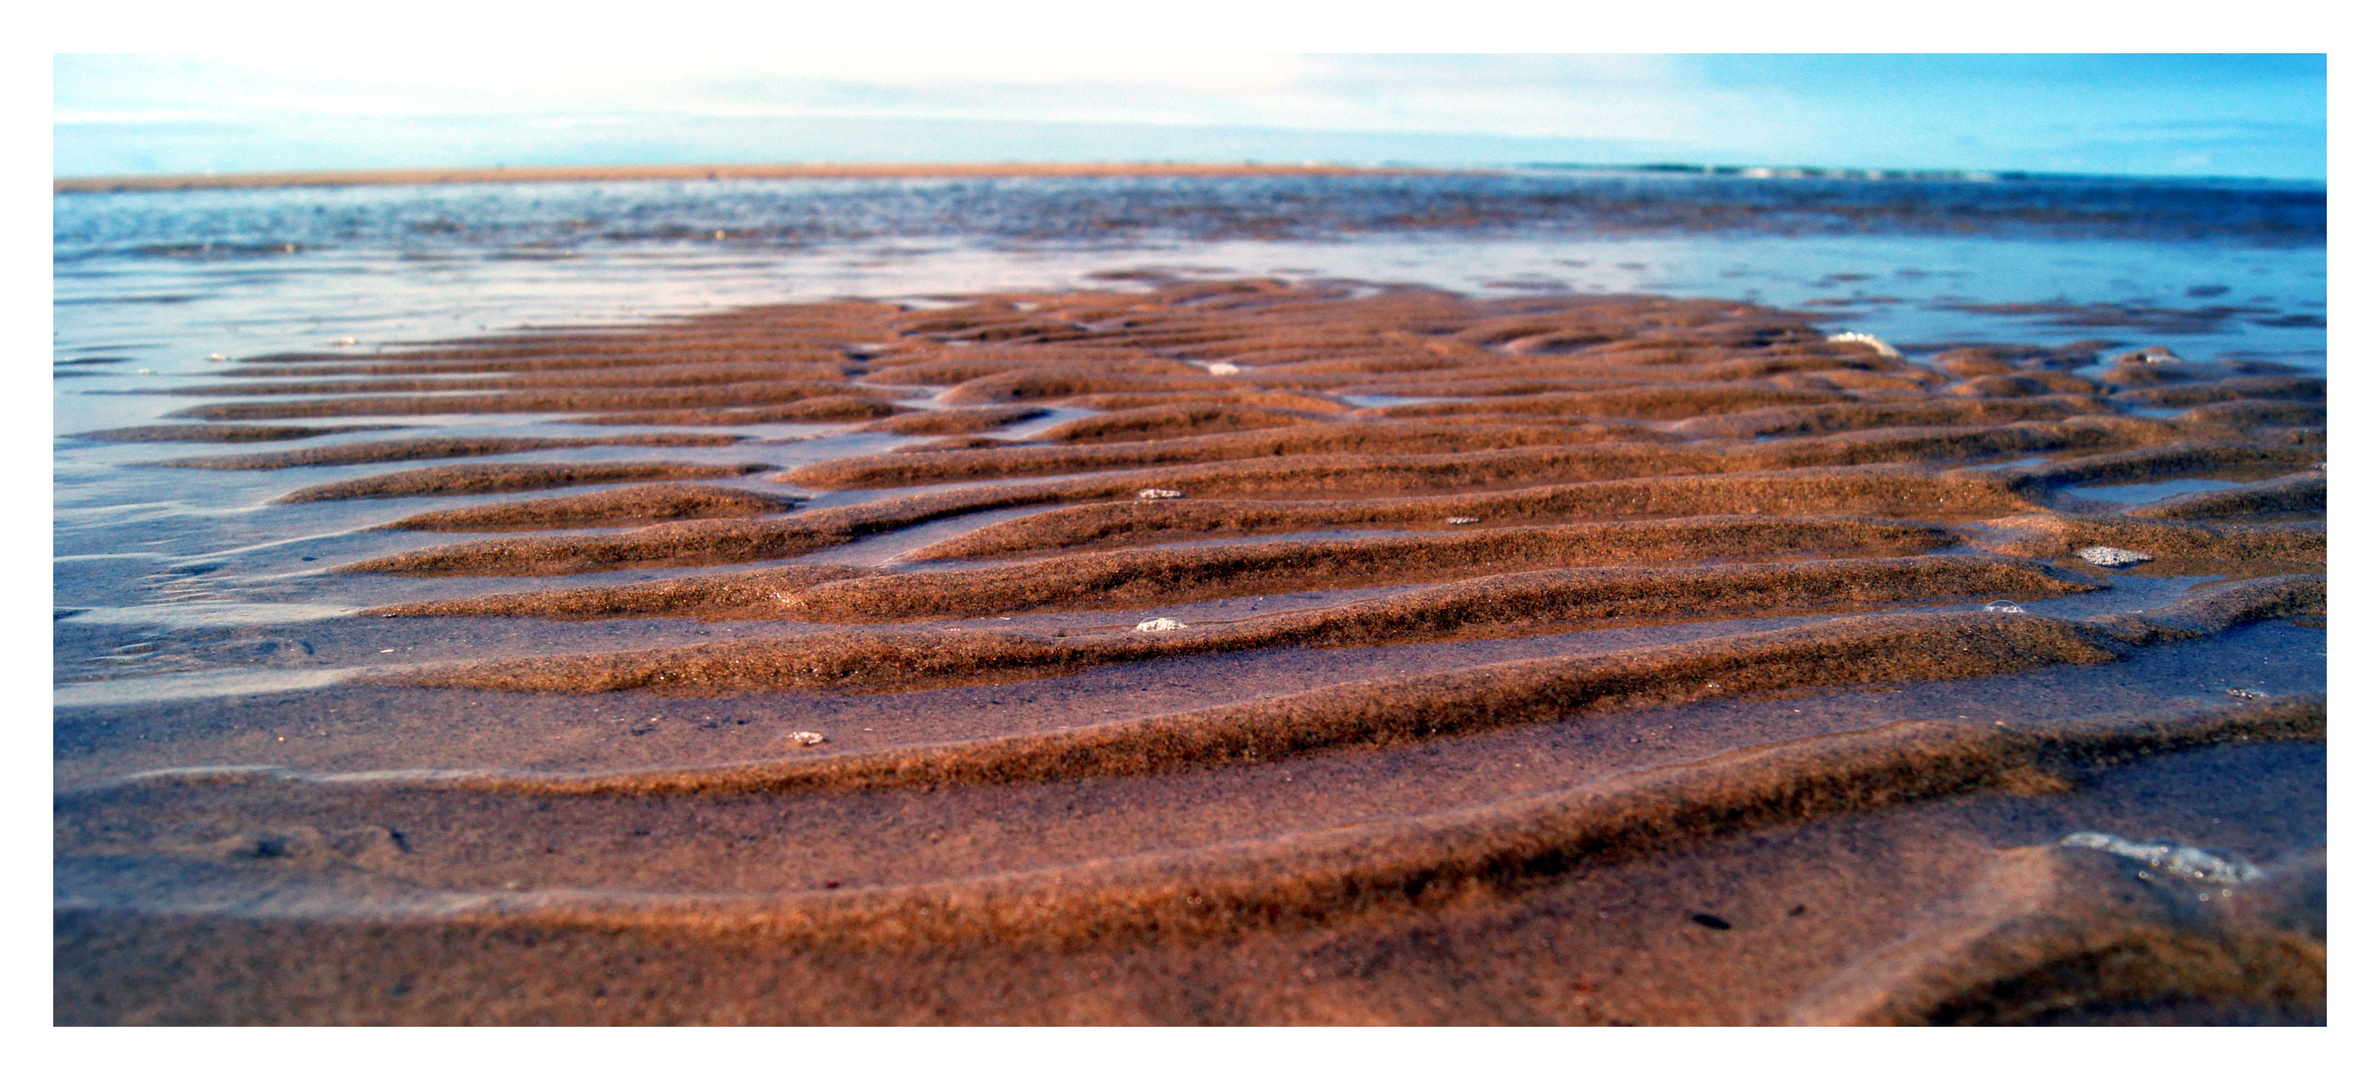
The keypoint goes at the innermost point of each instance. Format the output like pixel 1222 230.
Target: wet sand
pixel 1265 654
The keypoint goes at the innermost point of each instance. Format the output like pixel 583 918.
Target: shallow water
pixel 2137 494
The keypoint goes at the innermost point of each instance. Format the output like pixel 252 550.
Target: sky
pixel 2155 115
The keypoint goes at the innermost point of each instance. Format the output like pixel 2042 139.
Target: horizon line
pixel 470 174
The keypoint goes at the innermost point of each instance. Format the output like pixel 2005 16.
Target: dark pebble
pixel 1712 921
pixel 1797 910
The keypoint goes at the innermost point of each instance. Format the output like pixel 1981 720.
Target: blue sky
pixel 2190 114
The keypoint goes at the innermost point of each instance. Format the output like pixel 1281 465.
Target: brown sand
pixel 711 543
pixel 553 401
pixel 956 421
pixel 895 471
pixel 640 505
pixel 964 366
pixel 1859 490
pixel 1498 605
pixel 2049 934
pixel 1262 463
pixel 835 409
pixel 1331 874
pixel 1170 421
pixel 681 374
pixel 693 543
pixel 1099 581
pixel 1653 740
pixel 2180 548
pixel 2202 459
pixel 1823 419
pixel 1259 399
pixel 491 479
pixel 645 364
pixel 226 433
pixel 1111 579
pixel 1056 383
pixel 1869 649
pixel 2250 388
pixel 2257 413
pixel 955 442
pixel 1651 403
pixel 429 449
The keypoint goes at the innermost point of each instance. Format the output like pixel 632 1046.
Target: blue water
pixel 2142 494
pixel 2234 269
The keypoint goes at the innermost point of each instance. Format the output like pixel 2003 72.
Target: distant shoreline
pixel 362 177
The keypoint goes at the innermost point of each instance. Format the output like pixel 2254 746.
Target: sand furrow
pixel 640 505
pixel 546 401
pixel 429 450
pixel 492 479
pixel 1894 491
pixel 1307 457
pixel 1502 605
pixel 1428 861
pixel 1095 581
pixel 1846 651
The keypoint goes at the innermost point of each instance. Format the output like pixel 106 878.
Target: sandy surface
pixel 1248 654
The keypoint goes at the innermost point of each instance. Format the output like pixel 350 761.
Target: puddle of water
pixel 197 684
pixel 2137 494
pixel 191 616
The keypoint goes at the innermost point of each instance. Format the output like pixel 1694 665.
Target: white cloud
pixel 1579 97
pixel 1899 112
pixel 136 116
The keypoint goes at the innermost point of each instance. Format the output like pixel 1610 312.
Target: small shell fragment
pixel 1871 341
pixel 1462 521
pixel 1159 493
pixel 2172 856
pixel 2154 354
pixel 1160 625
pixel 2115 557
pixel 805 738
pixel 2005 607
pixel 1223 367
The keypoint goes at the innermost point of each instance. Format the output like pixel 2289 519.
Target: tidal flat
pixel 1501 597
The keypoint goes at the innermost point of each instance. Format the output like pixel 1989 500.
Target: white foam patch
pixel 201 614
pixel 196 684
pixel 2172 856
